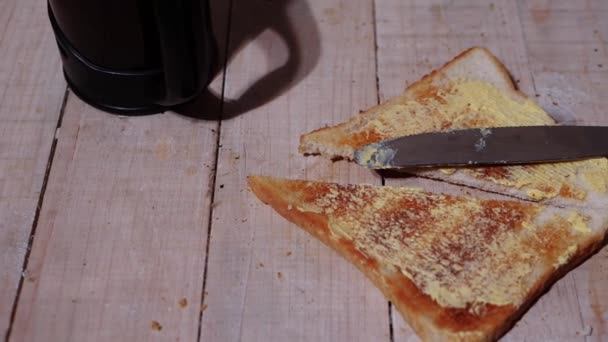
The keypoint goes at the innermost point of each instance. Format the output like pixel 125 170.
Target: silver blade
pixel 487 146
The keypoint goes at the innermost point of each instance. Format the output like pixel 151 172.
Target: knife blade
pixel 486 146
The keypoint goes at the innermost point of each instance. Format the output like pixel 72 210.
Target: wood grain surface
pixel 119 250
pixel 31 94
pixel 146 229
pixel 122 232
pixel 568 57
pixel 267 280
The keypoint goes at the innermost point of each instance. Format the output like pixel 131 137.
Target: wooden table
pixel 142 229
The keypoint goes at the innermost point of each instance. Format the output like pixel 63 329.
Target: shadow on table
pixel 239 22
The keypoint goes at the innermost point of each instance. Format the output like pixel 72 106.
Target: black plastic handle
pixel 187 48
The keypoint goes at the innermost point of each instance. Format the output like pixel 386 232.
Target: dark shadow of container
pixel 134 57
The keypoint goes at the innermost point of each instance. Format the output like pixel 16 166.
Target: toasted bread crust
pixel 429 319
pixel 437 102
pixel 398 289
pixel 500 68
pixel 429 315
pixel 309 145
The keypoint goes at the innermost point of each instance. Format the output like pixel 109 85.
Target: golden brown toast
pixel 456 268
pixel 472 91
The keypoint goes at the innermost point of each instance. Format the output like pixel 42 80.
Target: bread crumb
pixel 183 302
pixel 203 307
pixel 156 326
pixel 586 331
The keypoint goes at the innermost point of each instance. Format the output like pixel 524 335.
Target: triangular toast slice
pixel 456 268
pixel 472 91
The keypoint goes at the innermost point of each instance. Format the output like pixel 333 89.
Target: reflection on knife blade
pixel 487 146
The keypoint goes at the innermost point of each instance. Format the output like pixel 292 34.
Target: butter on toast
pixel 456 268
pixel 472 91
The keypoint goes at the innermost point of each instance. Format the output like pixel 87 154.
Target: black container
pixel 134 56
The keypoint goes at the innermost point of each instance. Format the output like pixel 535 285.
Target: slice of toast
pixel 456 268
pixel 472 91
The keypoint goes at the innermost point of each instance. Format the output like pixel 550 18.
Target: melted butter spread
pixel 462 252
pixel 367 153
pixel 463 104
pixel 375 156
pixel 579 222
pixel 448 171
pixel 562 259
pixel 538 195
pixel 595 174
pixel 457 105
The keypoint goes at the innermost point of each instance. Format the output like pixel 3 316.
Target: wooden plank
pixel 31 94
pixel 415 37
pixel 7 9
pixel 120 247
pixel 122 232
pixel 267 279
pixel 566 41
